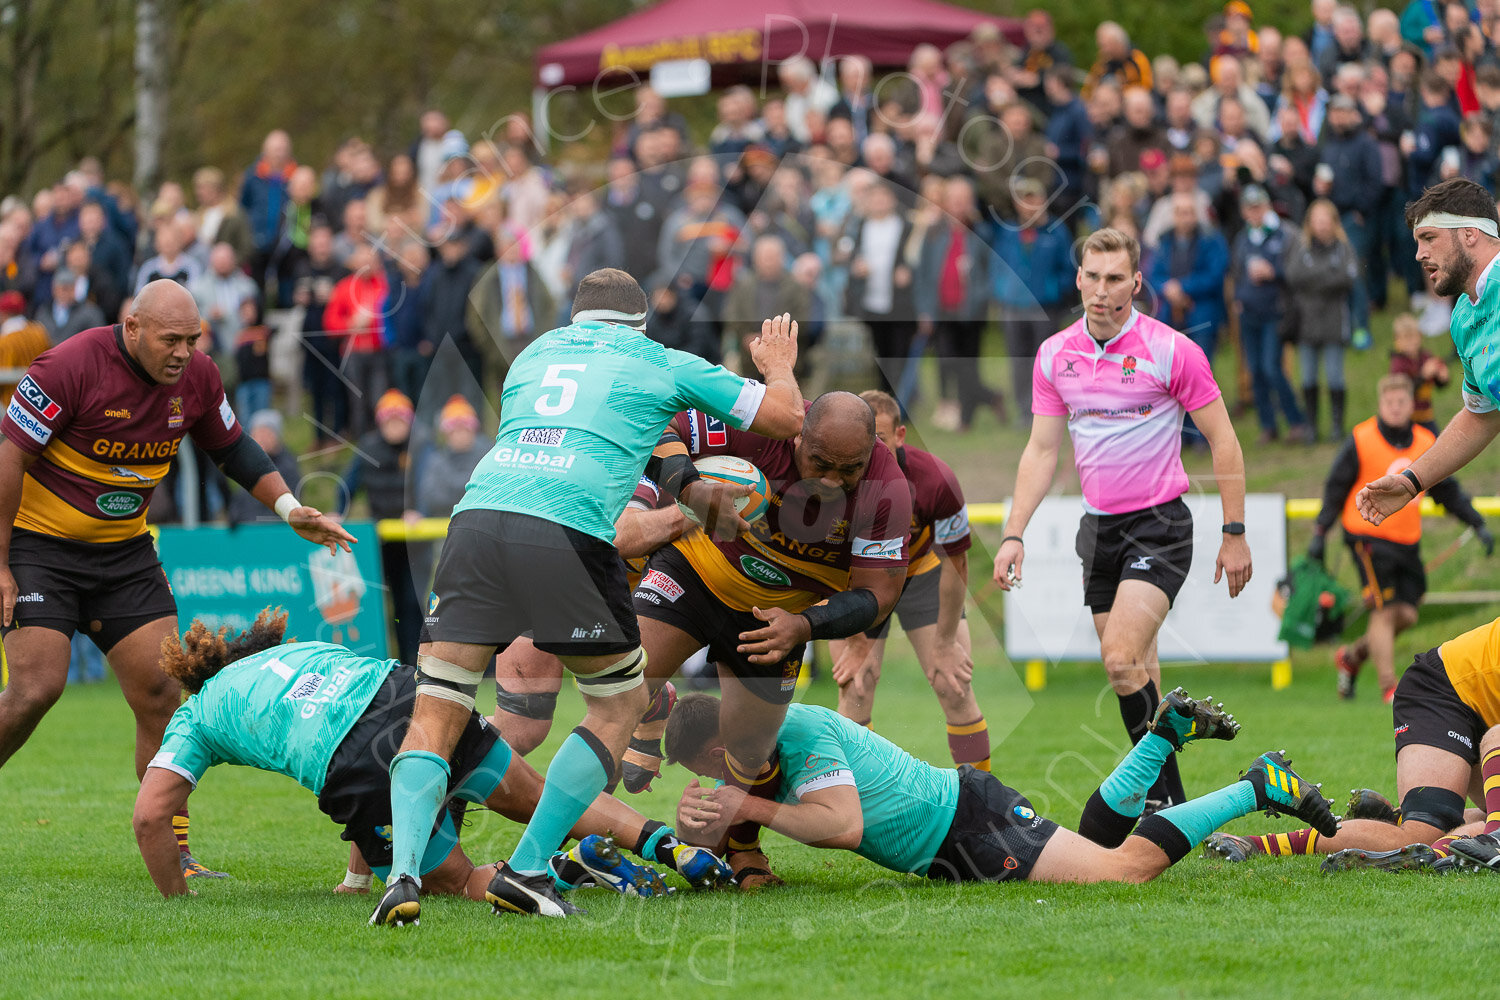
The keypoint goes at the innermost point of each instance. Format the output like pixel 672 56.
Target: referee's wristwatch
pixel 1234 528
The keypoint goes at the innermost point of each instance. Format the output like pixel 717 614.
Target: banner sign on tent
pixel 226 576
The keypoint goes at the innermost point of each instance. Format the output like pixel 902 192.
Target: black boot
pixel 1336 414
pixel 1310 404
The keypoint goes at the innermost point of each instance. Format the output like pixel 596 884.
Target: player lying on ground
pixel 332 720
pixel 1447 716
pixel 847 787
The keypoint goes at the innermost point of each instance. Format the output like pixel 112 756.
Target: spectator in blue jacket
pixel 1029 279
pixel 1069 133
pixel 262 196
pixel 1259 279
pixel 1187 274
pixel 1437 128
pixel 1349 175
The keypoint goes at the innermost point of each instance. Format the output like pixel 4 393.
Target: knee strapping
pixel 1437 807
pixel 540 706
pixel 621 676
pixel 438 678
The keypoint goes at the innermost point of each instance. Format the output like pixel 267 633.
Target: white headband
pixel 636 321
pixel 1447 220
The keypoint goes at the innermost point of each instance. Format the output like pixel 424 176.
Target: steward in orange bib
pixel 1388 555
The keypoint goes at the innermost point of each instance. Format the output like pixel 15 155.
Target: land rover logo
pixel 757 569
pixel 121 503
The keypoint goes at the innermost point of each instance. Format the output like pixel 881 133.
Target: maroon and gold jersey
pixel 104 433
pixel 939 517
pixel 803 549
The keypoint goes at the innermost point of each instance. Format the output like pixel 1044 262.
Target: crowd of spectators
pixel 893 214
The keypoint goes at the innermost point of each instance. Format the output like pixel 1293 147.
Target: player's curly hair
pixel 692 726
pixel 200 653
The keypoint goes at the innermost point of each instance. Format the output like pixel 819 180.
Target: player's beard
pixel 1457 275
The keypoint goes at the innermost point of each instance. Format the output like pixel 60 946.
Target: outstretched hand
pixel 775 350
pixel 1382 498
pixel 320 529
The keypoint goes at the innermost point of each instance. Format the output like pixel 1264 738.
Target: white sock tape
pixel 354 881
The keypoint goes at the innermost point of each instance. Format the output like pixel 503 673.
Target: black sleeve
pixel 1336 488
pixel 1456 501
pixel 244 461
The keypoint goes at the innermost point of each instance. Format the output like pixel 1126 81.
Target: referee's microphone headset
pixel 1132 299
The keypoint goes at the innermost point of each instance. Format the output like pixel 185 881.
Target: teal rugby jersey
pixel 581 411
pixel 908 804
pixel 1475 328
pixel 285 709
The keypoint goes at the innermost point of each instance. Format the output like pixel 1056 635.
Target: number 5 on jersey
pixel 546 404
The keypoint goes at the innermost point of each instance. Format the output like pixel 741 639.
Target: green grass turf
pixel 82 918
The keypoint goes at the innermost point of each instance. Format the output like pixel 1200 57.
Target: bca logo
pixel 39 400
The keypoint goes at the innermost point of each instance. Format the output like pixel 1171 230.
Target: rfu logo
pixel 1068 371
pixel 1127 370
pixel 589 633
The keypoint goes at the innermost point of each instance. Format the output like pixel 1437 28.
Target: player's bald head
pixel 164 301
pixel 841 417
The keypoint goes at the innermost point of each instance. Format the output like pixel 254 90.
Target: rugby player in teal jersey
pixel 530 548
pixel 1458 244
pixel 331 720
pixel 846 787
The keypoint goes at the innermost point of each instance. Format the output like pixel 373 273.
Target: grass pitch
pixel 84 920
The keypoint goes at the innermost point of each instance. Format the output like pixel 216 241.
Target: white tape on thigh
pixel 442 670
pixel 622 675
pixel 435 678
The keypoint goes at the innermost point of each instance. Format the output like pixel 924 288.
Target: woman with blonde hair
pixel 1321 269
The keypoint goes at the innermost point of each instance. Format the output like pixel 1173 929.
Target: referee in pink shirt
pixel 1120 383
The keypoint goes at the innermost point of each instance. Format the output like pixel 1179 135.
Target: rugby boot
pixel 596 861
pixel 702 868
pixel 1348 671
pixel 1482 850
pixel 1412 857
pixel 1228 847
pixel 530 894
pixel 1180 720
pixel 399 906
pixel 1281 791
pixel 193 868
pixel 1367 803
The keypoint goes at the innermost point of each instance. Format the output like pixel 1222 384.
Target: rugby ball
pixel 729 469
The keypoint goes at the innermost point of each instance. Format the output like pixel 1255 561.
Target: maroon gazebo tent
pixel 740 39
